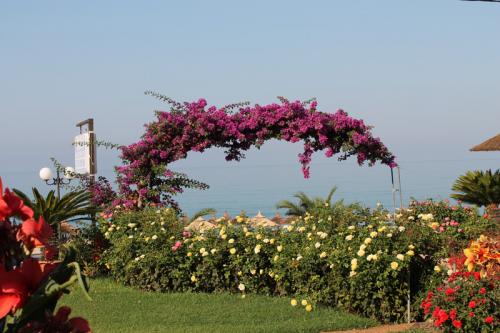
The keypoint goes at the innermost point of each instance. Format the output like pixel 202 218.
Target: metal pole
pixel 58 189
pixel 408 305
pixel 58 184
pixel 393 196
pixel 399 185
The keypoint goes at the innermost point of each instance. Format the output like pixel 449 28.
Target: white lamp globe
pixel 45 173
pixel 69 173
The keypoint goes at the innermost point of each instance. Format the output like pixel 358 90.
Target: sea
pixel 257 185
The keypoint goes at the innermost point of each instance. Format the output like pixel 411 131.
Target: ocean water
pixel 258 187
pixel 258 183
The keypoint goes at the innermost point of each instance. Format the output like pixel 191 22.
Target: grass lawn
pixel 120 309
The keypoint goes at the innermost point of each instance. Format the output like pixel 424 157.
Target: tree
pixel 305 203
pixel 145 178
pixel 480 188
pixel 70 207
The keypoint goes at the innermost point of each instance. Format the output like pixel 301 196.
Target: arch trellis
pixel 145 177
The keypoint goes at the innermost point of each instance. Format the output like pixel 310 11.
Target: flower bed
pixel 468 299
pixel 30 289
pixel 367 267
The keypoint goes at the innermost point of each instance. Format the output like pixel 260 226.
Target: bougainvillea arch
pixel 145 177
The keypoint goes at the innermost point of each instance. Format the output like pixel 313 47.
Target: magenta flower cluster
pixel 196 127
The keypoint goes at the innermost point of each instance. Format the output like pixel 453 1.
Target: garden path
pixel 424 327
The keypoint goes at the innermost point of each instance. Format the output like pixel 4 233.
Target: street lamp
pixel 46 175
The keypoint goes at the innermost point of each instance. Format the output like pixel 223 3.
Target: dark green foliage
pixel 72 206
pixel 480 188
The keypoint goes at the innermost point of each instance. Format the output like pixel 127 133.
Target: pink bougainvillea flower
pixel 196 127
pixel 12 205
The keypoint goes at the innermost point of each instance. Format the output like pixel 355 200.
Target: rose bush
pixel 367 266
pixel 468 299
pixel 29 289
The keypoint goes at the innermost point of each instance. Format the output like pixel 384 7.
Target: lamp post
pixel 47 176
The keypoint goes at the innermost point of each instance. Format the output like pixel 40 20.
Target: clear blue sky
pixel 426 74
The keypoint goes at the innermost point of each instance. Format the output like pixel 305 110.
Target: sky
pixel 425 74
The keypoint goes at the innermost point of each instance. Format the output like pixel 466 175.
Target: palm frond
pixel 202 212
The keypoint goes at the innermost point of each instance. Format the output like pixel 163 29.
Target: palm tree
pixel 202 212
pixel 480 188
pixel 72 206
pixel 305 204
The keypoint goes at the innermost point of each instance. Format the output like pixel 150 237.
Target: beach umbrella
pixel 260 220
pixel 200 224
pixel 492 144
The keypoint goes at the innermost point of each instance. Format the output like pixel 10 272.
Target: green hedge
pixel 366 267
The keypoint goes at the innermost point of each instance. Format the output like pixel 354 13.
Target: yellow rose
pixel 293 302
pixel 394 265
pixel 232 250
pixel 279 248
pixel 309 307
pixel 304 302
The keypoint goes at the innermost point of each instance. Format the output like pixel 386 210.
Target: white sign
pixel 82 153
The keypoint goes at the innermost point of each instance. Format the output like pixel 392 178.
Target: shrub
pixel 468 300
pixel 367 265
pixel 480 188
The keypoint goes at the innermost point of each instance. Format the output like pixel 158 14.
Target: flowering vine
pixel 194 126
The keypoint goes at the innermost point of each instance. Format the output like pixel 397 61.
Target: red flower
pixel 58 323
pixel 13 292
pixel 17 285
pixel 449 291
pixel 471 314
pixel 12 205
pixel 78 324
pixel 453 314
pixel 472 304
pixel 457 323
pixel 482 291
pixel 34 233
pixel 488 320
